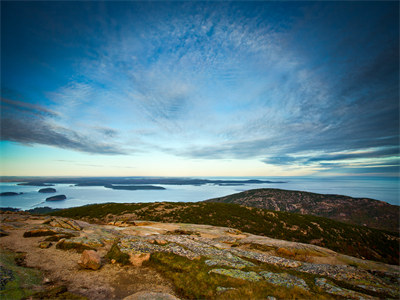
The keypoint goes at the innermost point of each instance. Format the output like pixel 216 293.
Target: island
pixel 134 187
pixel 35 183
pixel 10 194
pixel 56 198
pixel 47 190
pixel 102 181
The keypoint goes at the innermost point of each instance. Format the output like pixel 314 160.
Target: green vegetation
pixel 116 254
pixel 359 211
pixel 70 245
pixel 57 293
pixel 358 241
pixel 17 282
pixel 192 280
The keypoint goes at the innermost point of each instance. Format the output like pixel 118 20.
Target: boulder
pixel 3 233
pixel 45 245
pixel 39 232
pixel 90 260
pixel 144 295
pixel 138 258
pixel 57 237
pixel 64 223
pixel 79 244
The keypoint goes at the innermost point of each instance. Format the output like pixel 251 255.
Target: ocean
pixel 384 189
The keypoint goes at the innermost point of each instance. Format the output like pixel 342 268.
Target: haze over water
pixel 385 189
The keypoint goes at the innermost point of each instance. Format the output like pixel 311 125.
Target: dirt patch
pixel 60 267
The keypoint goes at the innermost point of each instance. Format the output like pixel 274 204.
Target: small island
pixel 47 190
pixel 10 194
pixel 56 198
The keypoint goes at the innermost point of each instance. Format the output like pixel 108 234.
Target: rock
pixel 19 259
pixel 57 237
pixel 249 276
pixel 237 263
pixel 160 242
pixel 269 259
pixel 64 223
pixel 79 244
pixel 335 290
pixel 284 252
pixel 233 231
pixel 284 279
pixel 138 258
pixel 90 260
pixel 45 245
pixel 39 232
pixel 3 233
pixel 56 198
pixel 47 190
pixel 123 223
pixel 150 296
pixel 47 280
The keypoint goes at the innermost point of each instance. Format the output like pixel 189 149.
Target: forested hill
pixel 360 211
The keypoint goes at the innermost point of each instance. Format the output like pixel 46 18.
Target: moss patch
pixel 116 254
pixel 193 280
pixel 17 282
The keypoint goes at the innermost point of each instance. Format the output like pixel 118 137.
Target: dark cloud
pixel 108 132
pixel 30 124
pixel 39 131
pixel 27 107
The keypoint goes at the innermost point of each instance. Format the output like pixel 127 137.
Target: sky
pixel 199 88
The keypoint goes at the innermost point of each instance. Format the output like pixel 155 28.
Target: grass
pixel 22 281
pixel 115 254
pixel 67 245
pixel 192 280
pixel 358 241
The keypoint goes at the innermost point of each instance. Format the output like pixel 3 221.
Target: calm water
pixel 385 189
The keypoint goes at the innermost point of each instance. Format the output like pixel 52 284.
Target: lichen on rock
pixel 284 279
pixel 248 276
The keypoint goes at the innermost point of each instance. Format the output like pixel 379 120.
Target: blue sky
pixel 200 88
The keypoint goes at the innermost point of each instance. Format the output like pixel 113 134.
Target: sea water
pixel 385 189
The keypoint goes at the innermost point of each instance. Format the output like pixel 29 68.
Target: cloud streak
pixel 34 126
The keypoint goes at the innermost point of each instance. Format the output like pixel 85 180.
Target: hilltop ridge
pixel 359 211
pixel 358 241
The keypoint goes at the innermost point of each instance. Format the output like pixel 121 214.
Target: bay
pixel 384 189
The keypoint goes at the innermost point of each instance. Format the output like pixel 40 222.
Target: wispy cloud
pixel 288 84
pixel 34 126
